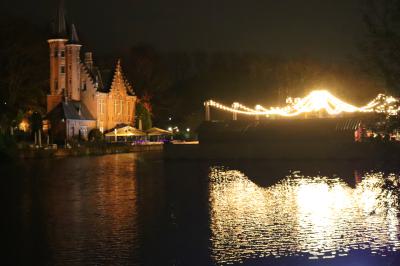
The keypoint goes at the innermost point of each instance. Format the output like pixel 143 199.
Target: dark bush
pixel 8 147
pixel 95 135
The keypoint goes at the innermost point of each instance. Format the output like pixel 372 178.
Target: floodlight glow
pixel 316 101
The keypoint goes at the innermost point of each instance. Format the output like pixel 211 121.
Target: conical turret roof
pixel 59 25
pixel 73 39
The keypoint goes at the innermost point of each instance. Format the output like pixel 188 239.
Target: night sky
pixel 323 29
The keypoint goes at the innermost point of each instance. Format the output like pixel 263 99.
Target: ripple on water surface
pixel 91 210
pixel 315 217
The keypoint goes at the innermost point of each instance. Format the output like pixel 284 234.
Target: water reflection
pixel 80 211
pixel 316 217
pixel 99 212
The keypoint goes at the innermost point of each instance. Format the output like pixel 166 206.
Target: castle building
pixel 80 99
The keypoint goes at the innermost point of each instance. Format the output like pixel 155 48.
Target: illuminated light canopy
pixel 24 125
pixel 316 101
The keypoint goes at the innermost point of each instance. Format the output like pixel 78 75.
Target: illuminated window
pixel 83 132
pixel 101 127
pixel 101 106
pixel 115 107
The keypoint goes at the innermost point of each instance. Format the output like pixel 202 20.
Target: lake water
pixel 136 209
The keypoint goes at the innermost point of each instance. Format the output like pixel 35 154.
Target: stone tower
pixel 57 44
pixel 73 69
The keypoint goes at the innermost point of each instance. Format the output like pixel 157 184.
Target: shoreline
pixel 289 151
pixel 85 151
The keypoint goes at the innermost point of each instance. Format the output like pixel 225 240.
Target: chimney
pixel 89 60
pixel 65 96
pixel 79 109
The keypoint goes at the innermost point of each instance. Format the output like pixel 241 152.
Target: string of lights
pixel 316 101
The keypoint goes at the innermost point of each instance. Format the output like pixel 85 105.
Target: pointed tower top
pixel 117 82
pixel 59 23
pixel 118 69
pixel 74 39
pixel 120 78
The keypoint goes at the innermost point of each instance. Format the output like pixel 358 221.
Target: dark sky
pixel 321 28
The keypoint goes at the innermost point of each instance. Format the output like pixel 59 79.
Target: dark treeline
pixel 381 48
pixel 24 69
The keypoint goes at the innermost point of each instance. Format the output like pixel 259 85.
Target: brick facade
pixel 81 82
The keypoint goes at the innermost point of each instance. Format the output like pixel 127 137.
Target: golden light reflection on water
pixel 317 217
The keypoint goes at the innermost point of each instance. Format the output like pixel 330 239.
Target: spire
pixel 59 24
pixel 74 39
pixel 118 72
pixel 117 77
pixel 118 67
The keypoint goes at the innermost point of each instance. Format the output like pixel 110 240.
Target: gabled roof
pixel 95 75
pixel 118 76
pixel 106 78
pixel 71 110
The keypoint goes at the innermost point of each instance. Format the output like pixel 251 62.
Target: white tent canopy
pixel 126 131
pixel 155 131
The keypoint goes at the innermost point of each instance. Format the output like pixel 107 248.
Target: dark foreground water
pixel 136 209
